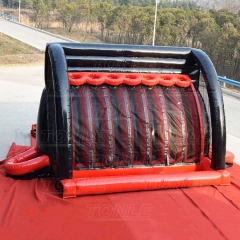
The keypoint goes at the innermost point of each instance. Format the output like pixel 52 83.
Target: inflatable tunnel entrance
pixel 117 118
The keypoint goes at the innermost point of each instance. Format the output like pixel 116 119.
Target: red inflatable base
pixel 139 179
pixel 32 209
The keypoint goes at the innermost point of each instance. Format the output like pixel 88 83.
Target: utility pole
pixel 155 22
pixel 19 11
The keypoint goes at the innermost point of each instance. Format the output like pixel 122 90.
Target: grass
pixel 74 35
pixel 11 46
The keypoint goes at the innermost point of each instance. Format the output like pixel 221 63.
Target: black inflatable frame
pixel 54 119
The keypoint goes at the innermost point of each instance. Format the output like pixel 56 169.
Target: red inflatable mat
pixel 33 210
pixel 131 79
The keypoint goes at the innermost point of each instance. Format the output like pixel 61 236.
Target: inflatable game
pixel 121 118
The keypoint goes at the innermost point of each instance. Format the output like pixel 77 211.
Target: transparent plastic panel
pixel 123 126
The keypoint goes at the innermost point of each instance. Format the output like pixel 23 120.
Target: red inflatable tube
pixel 113 79
pixel 77 78
pixel 182 80
pixel 150 80
pixel 94 78
pixel 26 162
pixel 131 79
pixel 166 80
pixel 114 184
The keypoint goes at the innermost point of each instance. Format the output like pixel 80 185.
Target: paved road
pixel 20 91
pixel 232 111
pixel 27 35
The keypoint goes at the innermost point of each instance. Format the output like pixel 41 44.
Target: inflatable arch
pixel 118 118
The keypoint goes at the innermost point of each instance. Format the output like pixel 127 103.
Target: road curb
pixel 230 93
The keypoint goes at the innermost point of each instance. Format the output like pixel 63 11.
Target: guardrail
pixel 232 88
pixel 228 81
pixel 8 17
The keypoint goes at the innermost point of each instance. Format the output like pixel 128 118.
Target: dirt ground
pixel 22 59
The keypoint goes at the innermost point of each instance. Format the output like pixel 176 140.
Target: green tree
pixel 39 12
pixel 103 11
pixel 15 3
pixel 69 15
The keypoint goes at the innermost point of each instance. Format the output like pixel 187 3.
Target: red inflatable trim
pixel 102 183
pixel 26 162
pixel 200 120
pixel 139 179
pixel 131 79
pixel 136 170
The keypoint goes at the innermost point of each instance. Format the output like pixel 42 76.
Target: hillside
pixel 231 5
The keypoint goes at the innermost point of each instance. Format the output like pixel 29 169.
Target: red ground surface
pixel 32 209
